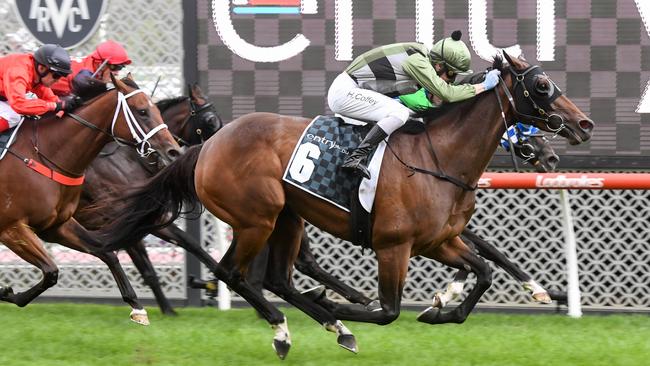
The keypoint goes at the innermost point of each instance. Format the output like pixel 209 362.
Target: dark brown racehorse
pixel 36 207
pixel 237 175
pixel 191 120
pixel 533 149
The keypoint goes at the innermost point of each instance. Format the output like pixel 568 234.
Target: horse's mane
pixel 165 104
pixel 430 114
pixel 90 88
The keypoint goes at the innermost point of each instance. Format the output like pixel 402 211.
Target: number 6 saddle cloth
pixel 315 163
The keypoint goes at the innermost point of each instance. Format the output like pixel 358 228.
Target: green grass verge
pixel 79 334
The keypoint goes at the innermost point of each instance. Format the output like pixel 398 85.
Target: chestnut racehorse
pixel 35 206
pixel 425 197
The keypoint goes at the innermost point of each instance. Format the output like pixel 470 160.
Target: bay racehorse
pixel 190 119
pixel 532 147
pixel 237 175
pixel 40 206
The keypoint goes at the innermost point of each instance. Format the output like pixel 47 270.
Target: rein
pixel 438 174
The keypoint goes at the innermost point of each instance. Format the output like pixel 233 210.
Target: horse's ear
pixel 507 57
pixel 129 76
pixel 113 79
pixel 196 91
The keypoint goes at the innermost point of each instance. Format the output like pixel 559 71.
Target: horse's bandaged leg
pixel 538 292
pixel 454 289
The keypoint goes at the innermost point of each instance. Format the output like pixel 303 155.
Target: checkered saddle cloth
pixel 315 162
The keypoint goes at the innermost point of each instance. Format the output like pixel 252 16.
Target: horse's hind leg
pixel 284 244
pixel 491 253
pixel 141 260
pixel 231 270
pixel 457 254
pixel 20 239
pixel 307 264
pixel 68 234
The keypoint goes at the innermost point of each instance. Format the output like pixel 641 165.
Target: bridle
pixel 553 122
pixel 142 144
pixel 207 112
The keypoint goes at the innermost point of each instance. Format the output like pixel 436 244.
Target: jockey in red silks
pixel 25 82
pixel 109 51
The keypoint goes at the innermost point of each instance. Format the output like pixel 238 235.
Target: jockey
pixel 108 50
pixel 365 89
pixel 25 82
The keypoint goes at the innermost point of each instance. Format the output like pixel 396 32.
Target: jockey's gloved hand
pixel 491 79
pixel 68 103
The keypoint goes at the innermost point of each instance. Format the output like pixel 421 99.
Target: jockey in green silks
pixel 365 90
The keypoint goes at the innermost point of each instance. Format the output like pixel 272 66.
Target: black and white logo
pixel 65 22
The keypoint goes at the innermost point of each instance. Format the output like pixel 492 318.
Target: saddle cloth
pixel 322 148
pixel 7 138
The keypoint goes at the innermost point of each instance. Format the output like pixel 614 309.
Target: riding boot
pixel 356 160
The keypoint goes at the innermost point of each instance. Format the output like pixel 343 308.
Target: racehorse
pixel 190 120
pixel 41 205
pixel 530 146
pixel 237 175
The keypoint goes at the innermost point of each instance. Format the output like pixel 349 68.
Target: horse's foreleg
pixel 457 254
pixel 491 253
pixel 20 239
pixel 392 269
pixel 69 233
pixel 140 258
pixel 307 264
pixel 284 244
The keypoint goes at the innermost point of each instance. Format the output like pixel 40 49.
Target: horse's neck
pixel 73 146
pixel 466 142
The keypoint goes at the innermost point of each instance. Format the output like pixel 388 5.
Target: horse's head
pixel 138 120
pixel 192 120
pixel 532 146
pixel 539 101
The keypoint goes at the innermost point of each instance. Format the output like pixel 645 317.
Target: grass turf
pixel 81 334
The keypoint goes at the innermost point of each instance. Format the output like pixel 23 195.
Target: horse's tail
pixel 154 204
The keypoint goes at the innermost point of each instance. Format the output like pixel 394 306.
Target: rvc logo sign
pixel 65 22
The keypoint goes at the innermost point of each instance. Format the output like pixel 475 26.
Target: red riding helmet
pixel 113 52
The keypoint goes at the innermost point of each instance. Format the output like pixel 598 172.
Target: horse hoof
pixel 542 298
pixel 374 305
pixel 140 316
pixel 5 292
pixel 430 315
pixel 315 293
pixel 281 348
pixel 347 341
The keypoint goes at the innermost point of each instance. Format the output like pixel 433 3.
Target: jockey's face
pixel 50 76
pixel 105 74
pixel 443 73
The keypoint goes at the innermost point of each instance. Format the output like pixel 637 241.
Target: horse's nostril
pixel 586 124
pixel 553 160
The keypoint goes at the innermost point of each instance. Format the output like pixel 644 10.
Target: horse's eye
pixel 142 112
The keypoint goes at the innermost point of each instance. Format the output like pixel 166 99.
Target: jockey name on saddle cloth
pixel 314 164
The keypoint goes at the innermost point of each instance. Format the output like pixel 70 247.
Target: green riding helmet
pixel 452 52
